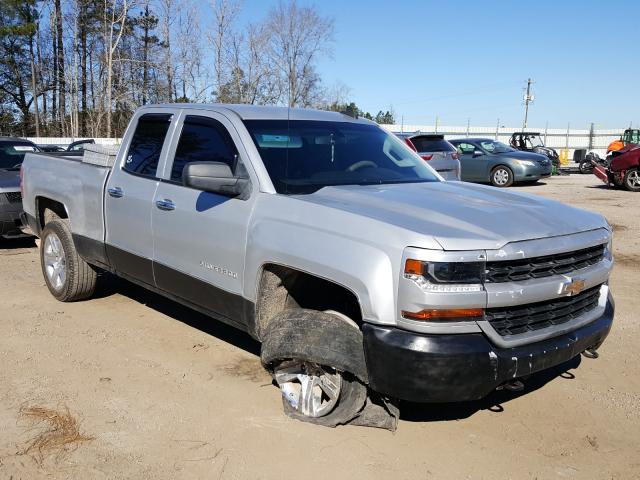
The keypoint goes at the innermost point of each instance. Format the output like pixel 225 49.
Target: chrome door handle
pixel 165 204
pixel 115 192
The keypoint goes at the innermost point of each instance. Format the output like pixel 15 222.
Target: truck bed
pixel 65 178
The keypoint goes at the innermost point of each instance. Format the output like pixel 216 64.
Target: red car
pixel 623 169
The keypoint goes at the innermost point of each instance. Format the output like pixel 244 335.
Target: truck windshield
pixel 304 156
pixel 12 154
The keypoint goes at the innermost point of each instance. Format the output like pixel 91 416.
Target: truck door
pixel 200 237
pixel 129 198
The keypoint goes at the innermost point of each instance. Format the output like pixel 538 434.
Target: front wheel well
pixel 281 288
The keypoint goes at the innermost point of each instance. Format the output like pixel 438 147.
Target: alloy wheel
pixel 55 261
pixel 310 389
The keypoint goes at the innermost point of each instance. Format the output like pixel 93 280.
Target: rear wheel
pixel 632 180
pixel 501 176
pixel 68 277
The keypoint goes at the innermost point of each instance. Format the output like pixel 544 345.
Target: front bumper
pixel 530 173
pixel 453 368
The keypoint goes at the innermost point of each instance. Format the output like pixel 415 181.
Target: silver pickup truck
pixel 364 275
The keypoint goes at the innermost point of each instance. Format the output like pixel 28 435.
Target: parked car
pixel 485 160
pixel 50 148
pixel 441 155
pixel 622 168
pixel 532 142
pixel 12 152
pixel 78 145
pixel 327 239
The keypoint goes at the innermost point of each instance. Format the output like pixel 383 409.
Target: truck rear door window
pixel 203 139
pixel 144 151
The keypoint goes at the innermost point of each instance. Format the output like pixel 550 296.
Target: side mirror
pixel 214 177
pixel 477 153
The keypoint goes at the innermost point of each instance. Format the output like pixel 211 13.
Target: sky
pixel 469 60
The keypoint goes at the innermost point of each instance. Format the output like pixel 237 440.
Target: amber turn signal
pixel 413 267
pixel 432 315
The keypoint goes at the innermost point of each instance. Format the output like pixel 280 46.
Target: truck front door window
pixel 144 151
pixel 203 140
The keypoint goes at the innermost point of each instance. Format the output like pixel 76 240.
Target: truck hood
pixel 9 180
pixel 458 215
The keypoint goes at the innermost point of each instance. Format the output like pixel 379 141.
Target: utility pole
pixel 528 98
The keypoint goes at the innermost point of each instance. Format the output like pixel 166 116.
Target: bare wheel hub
pixel 310 389
pixel 55 261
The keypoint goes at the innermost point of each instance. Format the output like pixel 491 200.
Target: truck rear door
pixel 200 237
pixel 129 196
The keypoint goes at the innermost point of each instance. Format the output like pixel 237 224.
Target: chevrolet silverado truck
pixel 366 277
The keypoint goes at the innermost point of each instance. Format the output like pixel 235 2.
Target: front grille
pixel 546 266
pixel 535 316
pixel 14 197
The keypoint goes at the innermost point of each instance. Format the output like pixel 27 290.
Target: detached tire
pixel 68 277
pixel 317 361
pixel 632 180
pixel 585 167
pixel 501 176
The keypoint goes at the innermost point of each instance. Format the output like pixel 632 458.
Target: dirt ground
pixel 161 392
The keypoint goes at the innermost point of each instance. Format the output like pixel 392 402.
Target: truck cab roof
pixel 263 112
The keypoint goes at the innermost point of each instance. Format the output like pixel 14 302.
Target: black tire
pixel 632 180
pixel 498 174
pixel 319 339
pixel 80 278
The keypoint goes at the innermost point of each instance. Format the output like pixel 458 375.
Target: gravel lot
pixel 161 392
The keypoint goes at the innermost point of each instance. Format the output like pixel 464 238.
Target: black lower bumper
pixel 10 223
pixel 452 368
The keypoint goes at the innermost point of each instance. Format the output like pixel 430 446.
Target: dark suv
pixel 12 152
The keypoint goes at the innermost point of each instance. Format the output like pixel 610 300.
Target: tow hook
pixel 591 353
pixel 512 386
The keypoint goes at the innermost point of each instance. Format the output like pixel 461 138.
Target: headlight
pixel 608 250
pixel 446 276
pixel 525 163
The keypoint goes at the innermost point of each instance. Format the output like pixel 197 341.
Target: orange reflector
pixel 413 267
pixel 444 315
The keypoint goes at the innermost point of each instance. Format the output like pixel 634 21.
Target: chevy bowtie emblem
pixel 572 287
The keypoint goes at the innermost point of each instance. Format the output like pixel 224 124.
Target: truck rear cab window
pixel 144 151
pixel 203 139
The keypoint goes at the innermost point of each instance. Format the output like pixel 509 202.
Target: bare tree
pixel 298 37
pixel 116 25
pixel 251 78
pixel 225 13
pixel 59 59
pixel 191 78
